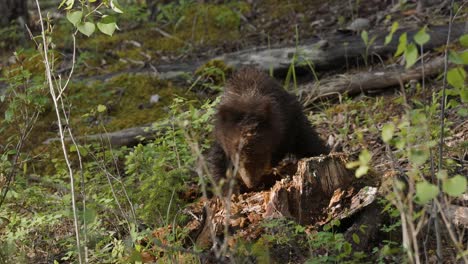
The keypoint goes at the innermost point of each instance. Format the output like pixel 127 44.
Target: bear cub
pixel 257 124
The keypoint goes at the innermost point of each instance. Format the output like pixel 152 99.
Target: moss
pixel 210 23
pixel 127 98
pixel 279 8
pixel 216 70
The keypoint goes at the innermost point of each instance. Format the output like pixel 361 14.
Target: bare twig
pixel 442 128
pixel 48 72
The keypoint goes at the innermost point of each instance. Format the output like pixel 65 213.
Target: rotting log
pixel 333 51
pixel 367 81
pixel 327 53
pixel 319 191
pixel 126 137
pixel 279 58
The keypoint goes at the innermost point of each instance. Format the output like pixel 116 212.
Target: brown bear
pixel 257 124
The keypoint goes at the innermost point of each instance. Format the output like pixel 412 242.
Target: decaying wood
pixel 324 54
pixel 309 190
pixel 320 190
pixel 125 137
pixel 335 51
pixel 366 227
pixel 458 215
pixel 366 81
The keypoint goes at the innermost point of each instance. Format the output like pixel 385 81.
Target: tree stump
pixel 319 190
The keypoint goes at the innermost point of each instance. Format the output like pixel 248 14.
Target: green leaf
pixel 107 25
pixel 115 6
pixel 455 186
pixel 389 37
pixel 422 37
pixel 464 40
pixel 418 156
pixel 395 26
pixel 101 108
pixel 365 37
pixel 90 215
pixel 454 57
pixel 442 174
pixel 74 17
pixel 464 57
pixel 464 95
pixel 356 238
pixel 411 55
pixel 352 164
pixel 83 150
pixel 387 132
pixel 87 28
pixel 347 248
pixel 463 112
pixel 9 115
pixel 426 191
pixel 68 3
pixel 400 143
pixel 403 40
pixel 456 77
pixel 72 148
pixel 365 157
pixel 361 171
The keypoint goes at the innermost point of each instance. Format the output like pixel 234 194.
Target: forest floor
pixel 134 190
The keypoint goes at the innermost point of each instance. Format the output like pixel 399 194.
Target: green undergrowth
pixel 127 100
pixel 186 25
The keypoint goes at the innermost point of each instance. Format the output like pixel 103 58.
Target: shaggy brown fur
pixel 257 124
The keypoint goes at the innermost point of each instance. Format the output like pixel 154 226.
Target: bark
pixel 368 81
pixel 336 51
pixel 126 137
pixel 320 190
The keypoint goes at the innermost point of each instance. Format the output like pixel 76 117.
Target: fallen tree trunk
pixel 126 137
pixel 367 81
pixel 322 56
pixel 332 51
pixel 335 51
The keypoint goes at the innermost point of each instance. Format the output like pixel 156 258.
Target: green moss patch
pixel 127 100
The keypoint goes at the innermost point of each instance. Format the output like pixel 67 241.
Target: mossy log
pixel 328 53
pixel 320 190
pixel 364 82
pixel 125 137
pixel 335 51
